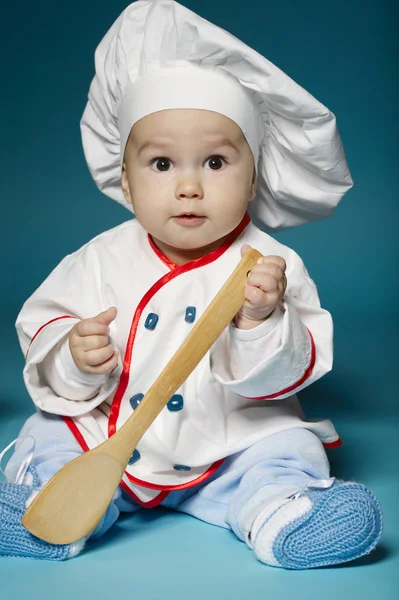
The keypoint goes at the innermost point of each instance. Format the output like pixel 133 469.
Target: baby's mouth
pixel 187 218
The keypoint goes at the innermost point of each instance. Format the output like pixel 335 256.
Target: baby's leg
pixel 278 497
pixel 44 446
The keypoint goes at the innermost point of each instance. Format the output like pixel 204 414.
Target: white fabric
pixel 65 378
pixel 271 521
pixel 120 268
pixel 276 515
pixel 191 87
pixel 302 170
pixel 21 474
pixel 265 501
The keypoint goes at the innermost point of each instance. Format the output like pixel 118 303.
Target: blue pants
pixel 275 467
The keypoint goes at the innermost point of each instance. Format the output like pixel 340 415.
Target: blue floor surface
pixel 160 554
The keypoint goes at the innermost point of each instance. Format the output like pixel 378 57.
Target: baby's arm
pixel 77 367
pixel 264 290
pixel 283 354
pixel 70 295
pixel 90 345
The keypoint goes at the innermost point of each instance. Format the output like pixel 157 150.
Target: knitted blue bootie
pixel 15 540
pixel 318 527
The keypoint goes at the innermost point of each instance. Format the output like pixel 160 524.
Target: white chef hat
pixel 160 55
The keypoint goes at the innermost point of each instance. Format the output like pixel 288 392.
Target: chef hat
pixel 160 55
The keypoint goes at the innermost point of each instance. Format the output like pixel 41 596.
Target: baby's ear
pixel 125 184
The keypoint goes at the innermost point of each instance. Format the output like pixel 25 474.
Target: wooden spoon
pixel 74 500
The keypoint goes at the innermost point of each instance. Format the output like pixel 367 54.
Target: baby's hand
pixel 265 288
pixel 89 344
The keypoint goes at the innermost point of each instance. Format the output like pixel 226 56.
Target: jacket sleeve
pixel 73 291
pixel 286 353
pixel 65 378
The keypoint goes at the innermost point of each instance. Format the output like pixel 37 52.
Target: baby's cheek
pixel 157 178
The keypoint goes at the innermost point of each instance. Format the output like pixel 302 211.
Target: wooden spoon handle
pixel 205 332
pixel 72 503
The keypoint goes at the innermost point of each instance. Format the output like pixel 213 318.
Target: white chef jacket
pixel 243 390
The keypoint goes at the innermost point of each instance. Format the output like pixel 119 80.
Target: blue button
pixel 175 403
pixel 190 314
pixel 135 400
pixel 135 457
pixel 151 321
pixel 181 468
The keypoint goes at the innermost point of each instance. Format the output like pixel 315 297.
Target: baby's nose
pixel 189 187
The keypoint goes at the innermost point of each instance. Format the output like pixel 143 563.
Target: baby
pixel 211 146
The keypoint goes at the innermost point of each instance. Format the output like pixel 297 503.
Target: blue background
pixel 343 52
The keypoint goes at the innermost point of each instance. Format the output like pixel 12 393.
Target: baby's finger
pixel 269 269
pixel 105 367
pixel 254 297
pixel 264 281
pixel 107 316
pixel 259 299
pixel 94 342
pixel 277 260
pixel 91 327
pixel 96 357
pixel 244 249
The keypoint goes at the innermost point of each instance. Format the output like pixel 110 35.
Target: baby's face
pixel 189 175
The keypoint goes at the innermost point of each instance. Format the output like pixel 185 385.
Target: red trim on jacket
pixel 165 488
pixel 45 325
pixel 181 486
pixel 151 504
pixel 175 272
pixel 304 377
pixel 75 430
pixel 171 265
pixel 336 444
pixel 80 439
pixel 211 256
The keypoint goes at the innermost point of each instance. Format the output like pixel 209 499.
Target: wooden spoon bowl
pixel 73 502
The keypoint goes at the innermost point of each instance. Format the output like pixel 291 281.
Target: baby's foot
pixel 319 527
pixel 15 540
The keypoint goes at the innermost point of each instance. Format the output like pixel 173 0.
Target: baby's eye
pixel 216 162
pixel 162 163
